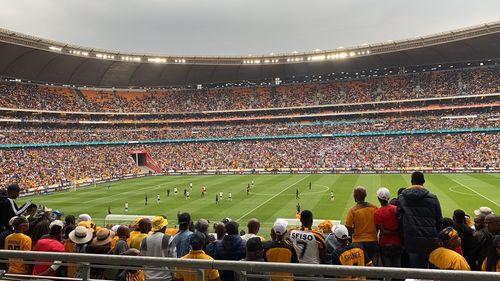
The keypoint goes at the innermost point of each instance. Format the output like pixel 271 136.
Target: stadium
pixel 101 132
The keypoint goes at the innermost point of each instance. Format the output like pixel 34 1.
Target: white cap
pixel 280 226
pixel 383 194
pixel 115 228
pixel 84 217
pixel 483 210
pixel 341 232
pixel 56 222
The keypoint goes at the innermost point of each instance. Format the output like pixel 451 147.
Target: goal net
pixel 123 219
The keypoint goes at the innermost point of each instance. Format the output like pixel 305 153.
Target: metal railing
pixel 307 271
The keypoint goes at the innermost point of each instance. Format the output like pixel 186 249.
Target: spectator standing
pixel 253 226
pixel 308 243
pixel 181 239
pixel 420 218
pixel 20 242
pixel 144 228
pixel 387 223
pixel 466 236
pixel 278 250
pixel 158 245
pixel 360 222
pixel 347 253
pixel 231 247
pixel 50 244
pixel 197 243
pixel 444 257
pixel 8 207
pixel 492 261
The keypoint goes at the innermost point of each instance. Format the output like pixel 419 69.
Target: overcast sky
pixel 237 27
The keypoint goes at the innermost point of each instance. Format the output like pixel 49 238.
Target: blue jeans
pixel 418 260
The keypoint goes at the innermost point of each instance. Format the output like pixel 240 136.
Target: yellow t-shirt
pixel 18 242
pixel 210 274
pixel 69 247
pixel 136 241
pixel 362 220
pixel 483 266
pixel 443 258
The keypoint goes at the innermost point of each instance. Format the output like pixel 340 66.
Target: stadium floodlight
pixel 352 54
pixel 53 48
pixel 368 51
pixel 318 58
pixel 157 60
pixel 343 55
pixel 85 54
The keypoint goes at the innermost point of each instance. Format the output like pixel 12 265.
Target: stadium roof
pixel 35 59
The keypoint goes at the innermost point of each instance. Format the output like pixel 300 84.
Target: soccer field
pixel 272 196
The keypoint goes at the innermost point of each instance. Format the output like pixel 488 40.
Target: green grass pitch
pixel 272 196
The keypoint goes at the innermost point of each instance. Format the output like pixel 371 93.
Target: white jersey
pixel 307 244
pixel 158 197
pixel 126 205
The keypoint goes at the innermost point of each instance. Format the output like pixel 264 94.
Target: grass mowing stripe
pixel 258 206
pixel 476 192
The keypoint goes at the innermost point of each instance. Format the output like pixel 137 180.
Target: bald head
pixel 492 223
pixel 253 226
pixel 359 194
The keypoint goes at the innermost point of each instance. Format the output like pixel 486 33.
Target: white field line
pixel 265 202
pixel 476 192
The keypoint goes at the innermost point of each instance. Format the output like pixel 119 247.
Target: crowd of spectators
pixel 398 233
pixel 483 80
pixel 33 168
pixel 47 166
pixel 75 133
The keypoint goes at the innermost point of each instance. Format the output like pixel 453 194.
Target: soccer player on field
pixel 253 183
pixel 126 207
pixel 146 200
pixel 331 196
pixel 190 186
pixel 217 199
pixel 20 242
pixel 220 195
pixel 248 189
pixel 230 197
pixel 187 195
pixel 297 193
pixel 308 243
pixel 175 191
pixel 158 198
pixel 310 185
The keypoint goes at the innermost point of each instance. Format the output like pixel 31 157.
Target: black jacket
pixel 419 214
pixel 9 209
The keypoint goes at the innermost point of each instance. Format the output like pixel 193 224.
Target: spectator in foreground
pixel 50 244
pixel 278 250
pixel 492 261
pixel 8 207
pixel 253 226
pixel 20 242
pixel 360 223
pixel 308 243
pixel 419 215
pixel 445 257
pixel 347 253
pixel 254 254
pixel 181 239
pixel 231 247
pixel 387 223
pixel 158 245
pixel 197 242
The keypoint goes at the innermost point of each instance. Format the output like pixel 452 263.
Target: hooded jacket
pixel 419 214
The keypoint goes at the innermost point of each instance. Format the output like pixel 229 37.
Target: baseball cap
pixel 383 194
pixel 341 232
pixel 196 239
pixel 56 222
pixel 280 227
